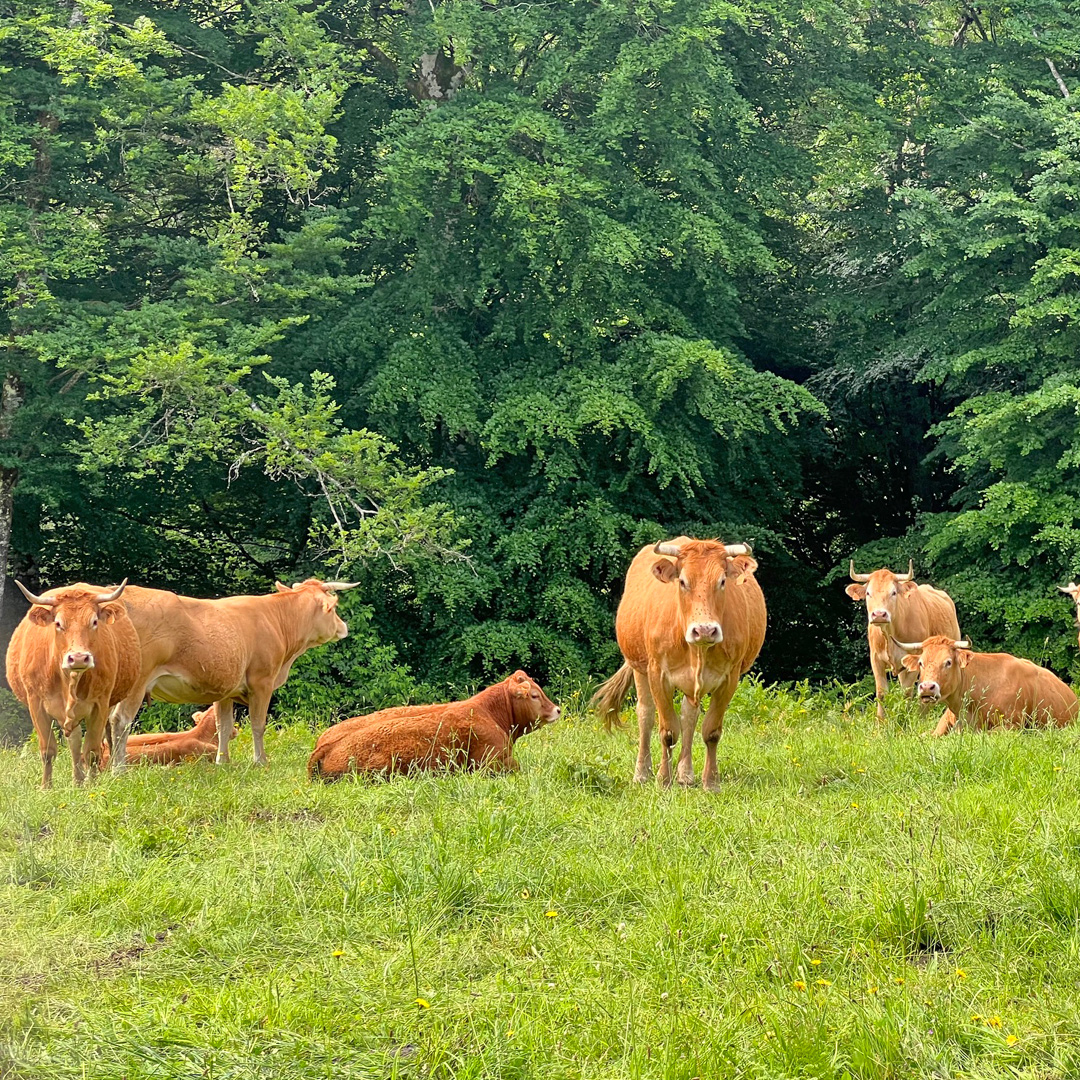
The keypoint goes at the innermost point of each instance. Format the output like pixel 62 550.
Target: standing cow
pixel 896 607
pixel 74 655
pixel 692 618
pixel 986 689
pixel 1072 590
pixel 236 649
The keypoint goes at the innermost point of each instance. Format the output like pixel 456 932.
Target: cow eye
pixel 684 584
pixel 893 593
pixel 948 663
pixel 59 625
pixel 93 623
pixel 722 583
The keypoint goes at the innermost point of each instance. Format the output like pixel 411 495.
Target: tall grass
pixel 858 901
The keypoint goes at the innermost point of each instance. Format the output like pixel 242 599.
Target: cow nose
pixel 78 660
pixel 343 631
pixel 556 712
pixel 929 689
pixel 879 616
pixel 704 633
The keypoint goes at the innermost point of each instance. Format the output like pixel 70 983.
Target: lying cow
pixel 896 607
pixel 692 618
pixel 169 747
pixel 986 689
pixel 74 655
pixel 478 732
pixel 238 648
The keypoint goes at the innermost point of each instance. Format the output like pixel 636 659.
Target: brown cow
pixel 1072 590
pixel 692 618
pixel 478 732
pixel 168 747
pixel 74 655
pixel 896 607
pixel 238 648
pixel 987 689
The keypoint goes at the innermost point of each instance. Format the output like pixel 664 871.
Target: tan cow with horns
pixel 896 607
pixel 986 689
pixel 73 657
pixel 692 618
pixel 236 649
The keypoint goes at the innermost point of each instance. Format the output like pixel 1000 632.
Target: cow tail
pixel 314 765
pixel 608 699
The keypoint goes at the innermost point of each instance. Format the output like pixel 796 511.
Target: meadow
pixel 859 901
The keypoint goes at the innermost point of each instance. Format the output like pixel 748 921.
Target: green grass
pixel 204 922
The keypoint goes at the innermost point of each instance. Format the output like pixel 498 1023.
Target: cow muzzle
pixel 77 661
pixel 704 634
pixel 929 692
pixel 880 618
pixel 552 714
pixel 342 631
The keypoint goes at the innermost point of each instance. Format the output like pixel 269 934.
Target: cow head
pixel 939 661
pixel 530 706
pixel 75 613
pixel 881 590
pixel 1072 590
pixel 701 572
pixel 326 624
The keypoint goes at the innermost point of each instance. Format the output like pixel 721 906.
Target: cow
pixel 897 607
pixel 479 732
pixel 168 747
pixel 74 656
pixel 986 689
pixel 219 652
pixel 1072 590
pixel 692 618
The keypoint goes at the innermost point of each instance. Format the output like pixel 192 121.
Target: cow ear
pixel 743 566
pixel 665 570
pixel 856 592
pixel 110 612
pixel 911 662
pixel 519 676
pixel 963 656
pixel 907 586
pixel 40 616
pixel 282 588
pixel 519 691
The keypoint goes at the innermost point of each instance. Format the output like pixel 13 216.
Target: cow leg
pixel 258 704
pixel 646 714
pixel 661 694
pixel 43 727
pixel 946 723
pixel 688 718
pixel 712 727
pixel 74 741
pixel 224 729
pixel 123 716
pixel 879 664
pixel 95 735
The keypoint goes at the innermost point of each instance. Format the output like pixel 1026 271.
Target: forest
pixel 466 300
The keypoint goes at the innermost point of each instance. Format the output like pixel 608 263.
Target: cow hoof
pixel 643 776
pixel 663 781
pixel 686 780
pixel 712 786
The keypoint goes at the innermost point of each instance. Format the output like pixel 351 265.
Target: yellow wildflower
pixel 551 914
pixel 338 952
pixel 898 981
pixel 1011 1040
pixel 823 982
pixel 799 984
pixel 816 963
pixel 423 1004
pixel 961 973
pixel 994 1021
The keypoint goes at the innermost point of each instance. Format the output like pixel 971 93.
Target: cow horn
pixel 965 644
pixel 1070 589
pixel 109 597
pixel 909 646
pixel 44 601
pixel 910 571
pixel 340 586
pixel 663 548
pixel 738 549
pixel 857 577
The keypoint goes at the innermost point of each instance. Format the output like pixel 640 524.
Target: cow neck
pixel 294 644
pixel 496 701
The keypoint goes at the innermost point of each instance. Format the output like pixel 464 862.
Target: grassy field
pixel 860 900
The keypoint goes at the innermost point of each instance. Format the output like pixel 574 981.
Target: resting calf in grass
pixel 168 747
pixel 986 689
pixel 478 732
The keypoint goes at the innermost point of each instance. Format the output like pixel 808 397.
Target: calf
pixel 478 732
pixel 168 747
pixel 74 655
pixel 987 689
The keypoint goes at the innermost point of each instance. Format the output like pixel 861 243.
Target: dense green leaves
pixel 468 300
